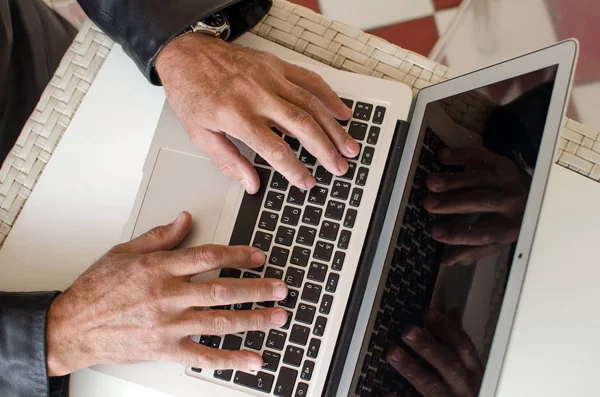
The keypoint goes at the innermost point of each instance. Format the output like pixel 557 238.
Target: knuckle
pixel 456 371
pixel 313 104
pixel 217 292
pixel 207 254
pixel 433 388
pixel 220 324
pixel 278 151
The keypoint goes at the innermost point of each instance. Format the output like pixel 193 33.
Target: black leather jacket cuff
pixel 23 371
pixel 144 27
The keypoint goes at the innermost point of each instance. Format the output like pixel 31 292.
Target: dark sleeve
pixel 143 27
pixel 23 371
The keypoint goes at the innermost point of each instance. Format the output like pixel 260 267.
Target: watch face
pixel 215 21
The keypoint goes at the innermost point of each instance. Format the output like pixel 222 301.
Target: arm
pixel 144 27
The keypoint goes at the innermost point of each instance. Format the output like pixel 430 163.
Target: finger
pixel 206 258
pixel 221 291
pixel 455 337
pixel 459 180
pixel 470 201
pixel 315 84
pixel 443 360
pixel 224 322
pixel 466 256
pixel 228 158
pixel 160 238
pixel 473 157
pixel 493 231
pixel 199 356
pixel 424 381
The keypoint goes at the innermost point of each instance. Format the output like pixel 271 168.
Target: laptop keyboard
pixel 305 235
pixel 409 284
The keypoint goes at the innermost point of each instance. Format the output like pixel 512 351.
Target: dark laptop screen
pixel 454 241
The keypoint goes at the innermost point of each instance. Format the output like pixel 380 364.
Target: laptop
pixel 366 256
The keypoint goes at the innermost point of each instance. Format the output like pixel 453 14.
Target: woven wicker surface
pixel 293 26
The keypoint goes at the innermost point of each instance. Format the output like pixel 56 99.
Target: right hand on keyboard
pixel 136 303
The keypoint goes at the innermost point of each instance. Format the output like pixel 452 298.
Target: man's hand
pixel 447 348
pixel 219 89
pixel 137 304
pixel 491 186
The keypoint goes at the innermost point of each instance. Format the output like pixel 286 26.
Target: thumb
pixel 161 238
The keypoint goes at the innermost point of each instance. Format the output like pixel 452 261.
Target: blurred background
pixel 469 34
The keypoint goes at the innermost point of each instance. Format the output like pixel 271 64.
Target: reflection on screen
pixel 454 239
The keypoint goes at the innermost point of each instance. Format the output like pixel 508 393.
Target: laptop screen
pixel 454 242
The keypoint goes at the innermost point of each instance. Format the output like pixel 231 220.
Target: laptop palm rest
pixel 184 182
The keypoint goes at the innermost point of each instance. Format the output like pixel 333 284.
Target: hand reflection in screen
pixel 489 185
pixel 454 368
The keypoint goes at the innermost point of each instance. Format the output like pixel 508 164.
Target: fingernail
pixel 279 318
pixel 310 182
pixel 180 219
pixel 395 355
pixel 255 363
pixel 258 257
pixel 280 291
pixel 413 333
pixel 343 166
pixel 352 146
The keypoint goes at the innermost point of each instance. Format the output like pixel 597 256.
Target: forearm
pixel 143 27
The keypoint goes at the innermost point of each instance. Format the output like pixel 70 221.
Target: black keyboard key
pixel 285 236
pixel 311 292
pixel 197 370
pixel 279 182
pixel 275 130
pixel 262 241
pixel 338 261
pixel 301 390
pixel 340 190
pixel 296 196
pixel 223 374
pixel 214 341
pixel 289 321
pixel 323 251
pixel 293 356
pixel 373 136
pixel 358 130
pixel 367 157
pixel 318 195
pixel 307 158
pixel 268 220
pixel 285 382
pixel 361 177
pixel 279 256
pixel 293 142
pixel 291 215
pixel 261 161
pixel 312 215
pixel 319 328
pixel 356 197
pixel 379 115
pixel 294 277
pixel 366 363
pixel 335 210
pixel 348 102
pixel 306 314
pixel 351 171
pixel 290 300
pixel 307 370
pixel 332 282
pixel 299 334
pixel 272 272
pixel 329 230
pixel 300 256
pixel 271 360
pixel 274 201
pixel 250 275
pixel 230 273
pixel 306 235
pixel 204 340
pixel 249 210
pixel 325 307
pixel 350 218
pixel 232 342
pixel 276 340
pixel 363 111
pixel 322 176
pixel 313 348
pixel 317 272
pixel 266 304
pixel 254 340
pixel 262 381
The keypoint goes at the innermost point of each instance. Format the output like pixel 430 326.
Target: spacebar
pixel 249 210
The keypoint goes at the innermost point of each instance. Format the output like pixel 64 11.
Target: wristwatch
pixel 214 25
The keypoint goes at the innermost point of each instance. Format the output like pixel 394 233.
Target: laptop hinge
pixel 366 258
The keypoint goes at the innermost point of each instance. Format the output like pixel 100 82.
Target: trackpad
pixel 183 182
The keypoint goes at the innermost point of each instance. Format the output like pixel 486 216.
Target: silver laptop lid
pixel 501 125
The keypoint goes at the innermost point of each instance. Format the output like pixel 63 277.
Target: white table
pixel 84 197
